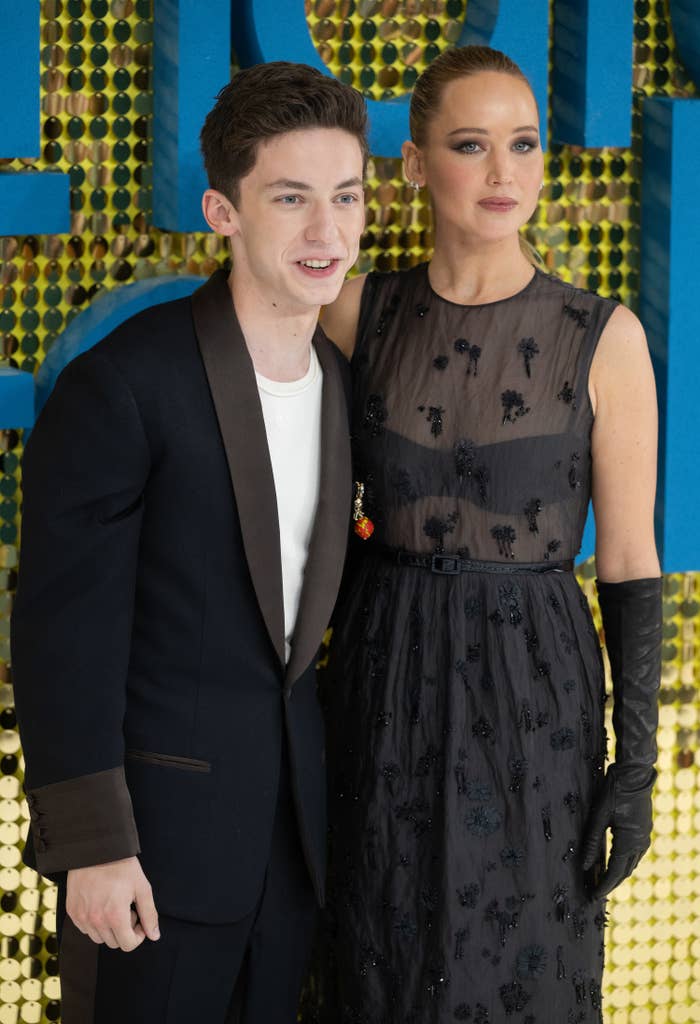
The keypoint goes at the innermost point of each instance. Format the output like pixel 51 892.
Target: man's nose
pixel 321 226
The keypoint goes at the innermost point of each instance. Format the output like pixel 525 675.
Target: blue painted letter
pixel 192 62
pixel 671 316
pixel 31 202
pixel 266 30
pixel 592 72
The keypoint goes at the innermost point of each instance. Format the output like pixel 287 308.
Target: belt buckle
pixel 443 565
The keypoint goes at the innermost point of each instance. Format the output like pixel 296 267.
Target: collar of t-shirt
pixel 289 388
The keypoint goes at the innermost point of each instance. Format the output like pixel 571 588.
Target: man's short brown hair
pixel 268 100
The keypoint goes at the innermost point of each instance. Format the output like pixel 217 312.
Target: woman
pixel 469 797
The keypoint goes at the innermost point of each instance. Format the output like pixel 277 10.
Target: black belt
pixel 453 565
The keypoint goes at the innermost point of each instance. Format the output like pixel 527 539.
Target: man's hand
pixel 101 900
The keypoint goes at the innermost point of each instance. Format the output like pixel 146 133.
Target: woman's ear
pixel 413 164
pixel 219 213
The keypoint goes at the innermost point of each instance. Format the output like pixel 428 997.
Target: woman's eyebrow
pixel 484 131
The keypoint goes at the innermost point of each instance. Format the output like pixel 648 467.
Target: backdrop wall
pixel 89 226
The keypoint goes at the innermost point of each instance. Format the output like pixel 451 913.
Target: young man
pixel 187 496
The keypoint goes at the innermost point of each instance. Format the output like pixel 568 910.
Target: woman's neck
pixel 474 273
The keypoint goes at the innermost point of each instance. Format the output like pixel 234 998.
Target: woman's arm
pixel 339 320
pixel 624 441
pixel 629 593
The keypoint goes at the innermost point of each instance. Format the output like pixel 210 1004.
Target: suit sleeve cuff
pixel 83 821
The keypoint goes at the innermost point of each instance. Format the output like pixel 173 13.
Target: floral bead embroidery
pixel 567 395
pixel 473 364
pixel 505 536
pixel 473 352
pixel 468 895
pixel 579 316
pixel 514 997
pixel 552 547
pixel 436 528
pixel 574 479
pixel 483 820
pixel 532 510
pixel 434 418
pixel 513 405
pixel 528 349
pixel 531 961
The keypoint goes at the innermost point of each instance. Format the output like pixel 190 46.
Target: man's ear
pixel 413 163
pixel 219 213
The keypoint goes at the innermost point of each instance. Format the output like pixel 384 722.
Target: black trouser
pixel 247 972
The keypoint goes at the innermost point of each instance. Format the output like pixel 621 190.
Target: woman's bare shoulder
pixel 340 319
pixel 621 359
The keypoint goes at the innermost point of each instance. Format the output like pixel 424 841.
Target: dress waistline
pixel 453 565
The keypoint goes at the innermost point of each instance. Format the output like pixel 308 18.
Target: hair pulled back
pixel 458 62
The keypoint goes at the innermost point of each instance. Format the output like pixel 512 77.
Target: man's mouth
pixel 317 264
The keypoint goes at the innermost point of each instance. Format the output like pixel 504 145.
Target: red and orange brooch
pixel 364 527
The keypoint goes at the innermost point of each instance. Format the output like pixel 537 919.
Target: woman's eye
pixel 524 145
pixel 468 147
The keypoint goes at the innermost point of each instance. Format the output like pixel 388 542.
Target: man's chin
pixel 324 292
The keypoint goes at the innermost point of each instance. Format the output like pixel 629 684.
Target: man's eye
pixel 347 199
pixel 288 200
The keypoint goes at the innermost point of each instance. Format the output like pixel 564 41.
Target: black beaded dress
pixel 465 709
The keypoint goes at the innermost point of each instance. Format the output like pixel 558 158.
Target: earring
pixel 414 185
pixel 541 186
pixel 364 527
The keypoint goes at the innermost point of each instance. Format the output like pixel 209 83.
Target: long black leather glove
pixel 632 618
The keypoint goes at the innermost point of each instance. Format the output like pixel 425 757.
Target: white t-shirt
pixel 292 414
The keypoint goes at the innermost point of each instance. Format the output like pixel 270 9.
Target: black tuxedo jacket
pixel 148 628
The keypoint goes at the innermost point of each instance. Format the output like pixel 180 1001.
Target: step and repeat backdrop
pixel 94 60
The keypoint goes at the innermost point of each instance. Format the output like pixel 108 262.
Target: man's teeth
pixel 316 264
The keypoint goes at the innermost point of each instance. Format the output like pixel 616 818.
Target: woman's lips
pixel 501 205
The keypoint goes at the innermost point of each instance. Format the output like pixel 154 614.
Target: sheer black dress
pixel 465 708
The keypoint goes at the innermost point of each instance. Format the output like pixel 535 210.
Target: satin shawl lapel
pixel 234 391
pixel 324 565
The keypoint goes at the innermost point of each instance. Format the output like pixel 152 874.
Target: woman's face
pixel 482 160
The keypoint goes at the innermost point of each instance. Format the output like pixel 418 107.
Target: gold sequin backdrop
pixel 95 77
